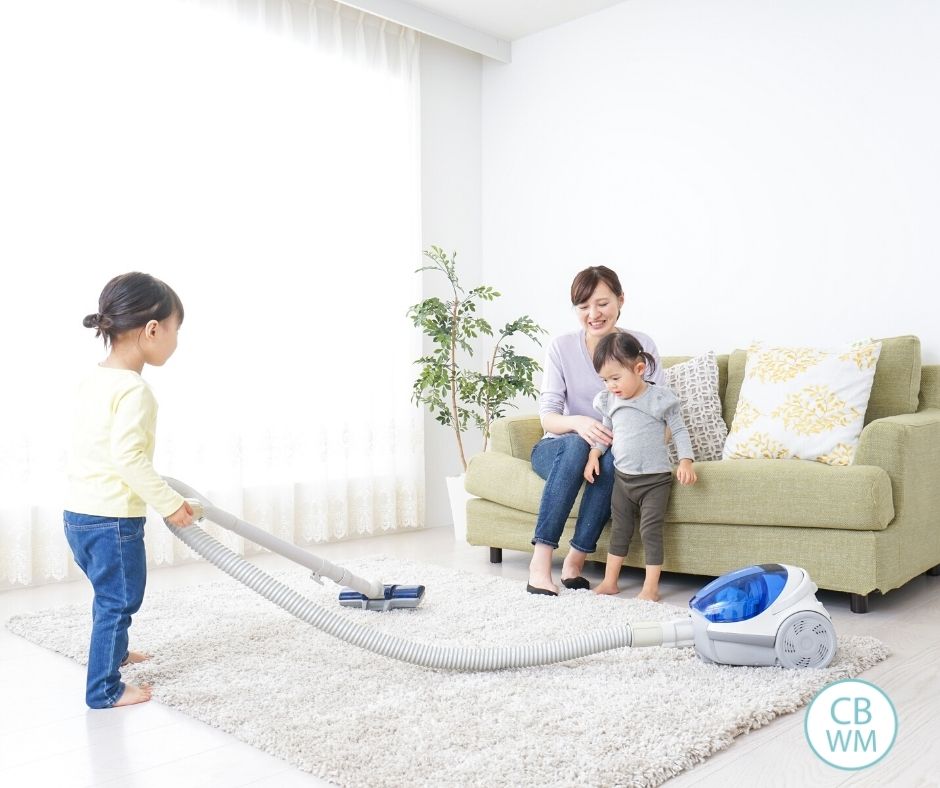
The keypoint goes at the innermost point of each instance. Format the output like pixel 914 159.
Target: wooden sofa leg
pixel 935 571
pixel 858 603
pixel 496 555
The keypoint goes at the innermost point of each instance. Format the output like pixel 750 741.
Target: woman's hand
pixel 685 473
pixel 593 431
pixel 182 516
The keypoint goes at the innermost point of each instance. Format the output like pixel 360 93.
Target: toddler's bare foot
pixel 607 588
pixel 133 657
pixel 133 694
pixel 649 594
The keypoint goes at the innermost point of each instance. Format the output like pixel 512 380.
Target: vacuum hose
pixel 672 633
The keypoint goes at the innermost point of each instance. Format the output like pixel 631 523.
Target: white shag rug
pixel 623 718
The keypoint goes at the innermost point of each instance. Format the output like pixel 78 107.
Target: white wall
pixel 752 169
pixel 450 194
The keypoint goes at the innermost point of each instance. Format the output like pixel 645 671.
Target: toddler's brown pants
pixel 642 497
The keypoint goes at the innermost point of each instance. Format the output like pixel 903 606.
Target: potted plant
pixel 459 396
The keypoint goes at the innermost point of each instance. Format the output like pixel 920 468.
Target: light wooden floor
pixel 49 738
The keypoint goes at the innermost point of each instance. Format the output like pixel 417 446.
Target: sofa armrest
pixel 516 435
pixel 505 480
pixel 908 448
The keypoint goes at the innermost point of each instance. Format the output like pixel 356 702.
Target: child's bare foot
pixel 607 588
pixel 133 694
pixel 133 657
pixel 649 594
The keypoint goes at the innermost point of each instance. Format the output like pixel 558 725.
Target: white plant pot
pixel 458 505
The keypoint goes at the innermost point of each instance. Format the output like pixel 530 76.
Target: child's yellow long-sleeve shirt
pixel 110 468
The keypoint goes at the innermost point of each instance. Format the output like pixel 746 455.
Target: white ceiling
pixel 485 26
pixel 512 19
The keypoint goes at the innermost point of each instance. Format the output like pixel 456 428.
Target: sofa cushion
pixel 722 361
pixel 803 403
pixel 734 492
pixel 798 493
pixel 695 383
pixel 893 392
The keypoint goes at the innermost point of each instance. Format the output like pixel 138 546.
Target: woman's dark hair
pixel 131 301
pixel 623 347
pixel 586 282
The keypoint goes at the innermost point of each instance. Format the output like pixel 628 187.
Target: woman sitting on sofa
pixel 572 426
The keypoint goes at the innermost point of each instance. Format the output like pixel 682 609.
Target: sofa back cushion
pixel 897 379
pixel 729 402
pixel 929 387
pixel 894 390
pixel 516 435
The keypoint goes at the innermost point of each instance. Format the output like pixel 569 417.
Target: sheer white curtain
pixel 261 159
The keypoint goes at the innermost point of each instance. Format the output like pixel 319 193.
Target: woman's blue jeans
pixel 560 461
pixel 110 551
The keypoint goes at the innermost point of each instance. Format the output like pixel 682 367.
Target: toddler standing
pixel 639 414
pixel 111 474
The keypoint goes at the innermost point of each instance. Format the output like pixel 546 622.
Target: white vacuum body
pixel 763 615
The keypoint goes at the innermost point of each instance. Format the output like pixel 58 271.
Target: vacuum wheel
pixel 805 640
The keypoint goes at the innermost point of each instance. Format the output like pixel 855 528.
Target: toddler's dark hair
pixel 586 282
pixel 131 301
pixel 623 347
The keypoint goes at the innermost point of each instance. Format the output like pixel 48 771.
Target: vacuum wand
pixel 320 567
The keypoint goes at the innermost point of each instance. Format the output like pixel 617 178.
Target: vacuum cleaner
pixel 763 615
pixel 760 615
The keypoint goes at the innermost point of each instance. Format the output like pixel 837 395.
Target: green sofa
pixel 871 526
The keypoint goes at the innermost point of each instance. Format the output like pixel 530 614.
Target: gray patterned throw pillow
pixel 695 383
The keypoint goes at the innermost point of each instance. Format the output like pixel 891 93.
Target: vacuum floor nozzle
pixel 395 596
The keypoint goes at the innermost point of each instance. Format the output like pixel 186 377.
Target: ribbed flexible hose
pixel 426 655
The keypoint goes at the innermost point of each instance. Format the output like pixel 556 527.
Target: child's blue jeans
pixel 560 461
pixel 110 551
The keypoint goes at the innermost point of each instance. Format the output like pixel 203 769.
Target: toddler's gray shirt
pixel 639 425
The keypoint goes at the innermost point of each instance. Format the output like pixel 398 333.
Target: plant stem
pixel 453 379
pixel 486 405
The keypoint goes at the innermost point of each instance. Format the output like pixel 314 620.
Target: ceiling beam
pixel 432 24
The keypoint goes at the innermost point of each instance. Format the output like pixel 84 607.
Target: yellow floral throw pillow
pixel 802 403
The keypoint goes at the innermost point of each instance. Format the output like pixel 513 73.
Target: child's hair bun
pixel 98 321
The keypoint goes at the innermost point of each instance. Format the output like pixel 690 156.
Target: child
pixel 639 414
pixel 111 476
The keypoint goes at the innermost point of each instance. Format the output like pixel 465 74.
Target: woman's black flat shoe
pixel 575 583
pixel 543 591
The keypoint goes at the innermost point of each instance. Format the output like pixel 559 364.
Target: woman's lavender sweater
pixel 570 382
